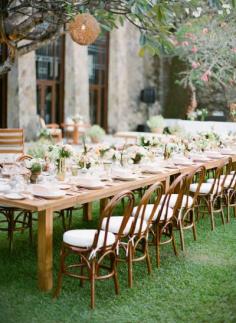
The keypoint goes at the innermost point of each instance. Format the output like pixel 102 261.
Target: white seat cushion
pixel 115 223
pixel 84 238
pixel 148 211
pixel 227 181
pixel 204 189
pixel 173 200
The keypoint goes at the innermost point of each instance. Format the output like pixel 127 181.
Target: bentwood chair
pixel 229 200
pixel 11 144
pixel 186 215
pixel 93 247
pixel 13 219
pixel 210 197
pixel 134 240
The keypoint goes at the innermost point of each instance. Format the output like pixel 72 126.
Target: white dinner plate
pixel 48 194
pixel 127 177
pixel 89 184
pixel 14 196
pixel 64 186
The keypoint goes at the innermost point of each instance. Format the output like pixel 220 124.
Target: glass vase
pixel 61 169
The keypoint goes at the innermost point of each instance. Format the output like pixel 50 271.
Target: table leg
pixel 88 216
pixel 103 204
pixel 45 249
pixel 167 183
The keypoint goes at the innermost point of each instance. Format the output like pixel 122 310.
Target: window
pixel 3 90
pixel 50 81
pixel 98 80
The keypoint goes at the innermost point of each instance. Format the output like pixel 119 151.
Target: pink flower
pixel 185 43
pixel 195 65
pixel 205 76
pixel 194 49
pixel 205 30
pixel 234 50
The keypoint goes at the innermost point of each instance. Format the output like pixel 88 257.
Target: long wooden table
pixel 45 209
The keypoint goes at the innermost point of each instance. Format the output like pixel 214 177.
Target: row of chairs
pixel 153 221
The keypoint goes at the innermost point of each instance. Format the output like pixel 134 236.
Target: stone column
pixel 76 79
pixel 127 77
pixel 22 110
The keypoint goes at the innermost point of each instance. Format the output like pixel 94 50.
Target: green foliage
pixel 156 122
pixel 36 168
pixel 208 46
pixel 96 132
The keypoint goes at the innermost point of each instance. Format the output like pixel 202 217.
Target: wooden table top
pixel 83 196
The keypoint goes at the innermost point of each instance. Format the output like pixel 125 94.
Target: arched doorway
pixel 98 80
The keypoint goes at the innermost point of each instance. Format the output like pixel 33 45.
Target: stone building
pixel 102 82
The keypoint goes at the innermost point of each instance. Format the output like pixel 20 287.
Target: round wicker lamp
pixel 84 29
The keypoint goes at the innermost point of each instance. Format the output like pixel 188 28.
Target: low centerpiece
pixel 35 166
pixel 156 124
pixel 59 153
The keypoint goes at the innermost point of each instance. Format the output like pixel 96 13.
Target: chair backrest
pixel 197 176
pixel 219 181
pixel 231 170
pixel 151 197
pixel 128 198
pixel 11 141
pixel 178 186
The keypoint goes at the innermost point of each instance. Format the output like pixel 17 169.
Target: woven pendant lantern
pixel 84 29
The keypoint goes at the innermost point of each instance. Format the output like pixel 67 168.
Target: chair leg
pixel 30 228
pixel 130 265
pixel 81 272
pixel 92 280
pixel 181 232
pixel 60 273
pixel 115 277
pixel 174 244
pixel 157 244
pixel 228 208
pixel 210 207
pixel 11 229
pixel 148 261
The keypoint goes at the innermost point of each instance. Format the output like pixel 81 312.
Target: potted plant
pixel 35 167
pixel 96 133
pixel 156 124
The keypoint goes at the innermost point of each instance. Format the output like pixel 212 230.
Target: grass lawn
pixel 199 286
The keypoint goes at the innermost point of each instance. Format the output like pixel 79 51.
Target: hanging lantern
pixel 84 29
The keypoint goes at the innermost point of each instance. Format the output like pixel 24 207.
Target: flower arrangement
pixel 77 118
pixel 148 141
pixel 135 154
pixel 156 123
pixel 35 165
pixel 44 133
pixel 202 113
pixel 56 152
pixel 96 133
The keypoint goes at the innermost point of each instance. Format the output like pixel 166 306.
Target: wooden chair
pixel 54 129
pixel 134 240
pixel 93 247
pixel 186 215
pixel 16 219
pixel 163 225
pixel 211 193
pixel 11 143
pixel 229 196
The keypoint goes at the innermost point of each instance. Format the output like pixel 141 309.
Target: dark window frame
pixel 57 112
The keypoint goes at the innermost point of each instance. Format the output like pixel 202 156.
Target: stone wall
pixel 128 75
pixel 76 79
pixel 22 111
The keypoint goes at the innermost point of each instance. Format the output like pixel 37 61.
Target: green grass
pixel 198 286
